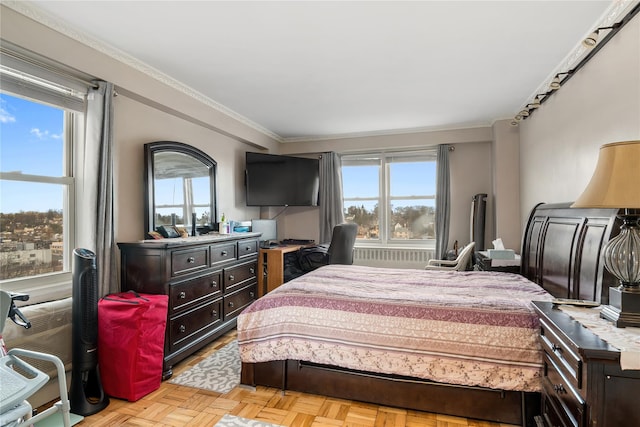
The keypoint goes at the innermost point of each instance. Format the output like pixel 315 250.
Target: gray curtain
pixel 443 201
pixel 95 191
pixel 331 206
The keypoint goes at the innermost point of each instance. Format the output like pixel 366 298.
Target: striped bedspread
pixel 465 328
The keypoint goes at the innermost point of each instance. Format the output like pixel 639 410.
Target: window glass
pixel 35 190
pixel 412 198
pixel 404 183
pixel 361 195
pixel 32 139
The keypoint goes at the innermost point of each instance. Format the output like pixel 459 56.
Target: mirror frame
pixel 150 149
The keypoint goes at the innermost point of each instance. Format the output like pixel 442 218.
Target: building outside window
pixel 39 122
pixel 391 196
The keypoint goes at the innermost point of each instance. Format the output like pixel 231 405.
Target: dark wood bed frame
pixel 561 251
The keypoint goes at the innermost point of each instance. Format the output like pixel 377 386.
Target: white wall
pixel 506 184
pixel 559 143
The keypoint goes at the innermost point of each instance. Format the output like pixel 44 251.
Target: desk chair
pixel 343 239
pixel 338 251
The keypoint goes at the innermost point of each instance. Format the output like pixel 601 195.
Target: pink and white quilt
pixel 465 328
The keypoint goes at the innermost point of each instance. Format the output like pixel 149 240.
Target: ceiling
pixel 311 69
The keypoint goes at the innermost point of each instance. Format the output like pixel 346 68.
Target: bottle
pixel 222 227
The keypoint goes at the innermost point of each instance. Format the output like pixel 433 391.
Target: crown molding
pixel 388 132
pixel 614 13
pixel 31 11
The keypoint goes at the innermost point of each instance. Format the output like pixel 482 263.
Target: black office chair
pixel 338 251
pixel 343 238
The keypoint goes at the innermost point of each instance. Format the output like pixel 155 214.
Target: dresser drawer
pixel 569 403
pixel 189 326
pixel 189 261
pixel 238 301
pixel 189 293
pixel 223 252
pixel 567 361
pixel 552 412
pixel 247 248
pixel 239 275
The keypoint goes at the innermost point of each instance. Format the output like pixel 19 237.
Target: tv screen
pixel 273 180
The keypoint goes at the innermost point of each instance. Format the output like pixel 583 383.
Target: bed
pixel 460 343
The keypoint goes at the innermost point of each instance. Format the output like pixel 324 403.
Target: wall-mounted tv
pixel 273 180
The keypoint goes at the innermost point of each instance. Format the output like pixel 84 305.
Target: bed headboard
pixel 562 250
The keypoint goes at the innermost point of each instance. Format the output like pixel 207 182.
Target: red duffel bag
pixel 131 330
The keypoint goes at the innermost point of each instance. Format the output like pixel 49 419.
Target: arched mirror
pixel 180 182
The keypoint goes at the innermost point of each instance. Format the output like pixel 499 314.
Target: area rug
pixel 219 372
pixel 233 421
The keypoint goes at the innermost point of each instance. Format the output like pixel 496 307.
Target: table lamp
pixel 616 184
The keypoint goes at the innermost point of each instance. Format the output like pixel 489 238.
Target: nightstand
pixel 583 382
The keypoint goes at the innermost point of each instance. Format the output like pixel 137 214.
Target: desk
pixel 271 267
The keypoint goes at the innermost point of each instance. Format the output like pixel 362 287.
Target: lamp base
pixel 624 307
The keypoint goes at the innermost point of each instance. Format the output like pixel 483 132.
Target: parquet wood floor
pixel 177 406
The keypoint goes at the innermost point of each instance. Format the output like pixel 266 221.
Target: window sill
pixel 41 290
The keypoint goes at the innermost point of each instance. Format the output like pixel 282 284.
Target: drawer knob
pixel 182 328
pixel 183 295
pixel 252 294
pixel 231 304
pixel 231 277
pixel 191 260
pixel 248 248
pixel 252 270
pixel 214 284
pixel 224 253
pixel 214 313
pixel 559 388
pixel 555 347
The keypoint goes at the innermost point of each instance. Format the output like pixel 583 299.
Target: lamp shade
pixel 616 181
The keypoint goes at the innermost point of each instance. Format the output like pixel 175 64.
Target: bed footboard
pixel 510 407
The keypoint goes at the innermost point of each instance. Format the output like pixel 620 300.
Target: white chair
pixel 459 264
pixel 19 381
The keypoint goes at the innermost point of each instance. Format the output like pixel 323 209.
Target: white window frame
pixel 383 159
pixel 29 78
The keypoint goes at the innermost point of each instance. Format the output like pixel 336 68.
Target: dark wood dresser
pixel 583 383
pixel 209 281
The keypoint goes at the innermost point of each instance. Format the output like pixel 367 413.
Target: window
pixel 39 120
pixel 391 196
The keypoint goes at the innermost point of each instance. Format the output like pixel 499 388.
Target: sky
pixel 407 179
pixel 31 143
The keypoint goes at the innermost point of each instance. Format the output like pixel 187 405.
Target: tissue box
pixel 501 253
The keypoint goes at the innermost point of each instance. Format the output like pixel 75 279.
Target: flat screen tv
pixel 273 180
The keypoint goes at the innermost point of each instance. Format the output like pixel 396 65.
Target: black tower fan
pixel 86 395
pixel 478 211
